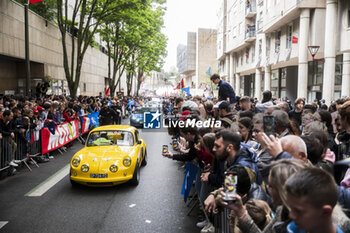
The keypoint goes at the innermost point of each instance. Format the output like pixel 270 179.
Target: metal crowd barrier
pixel 26 148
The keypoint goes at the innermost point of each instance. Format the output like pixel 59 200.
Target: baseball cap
pixel 39 108
pixel 218 104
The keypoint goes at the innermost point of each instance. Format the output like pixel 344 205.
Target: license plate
pixel 99 175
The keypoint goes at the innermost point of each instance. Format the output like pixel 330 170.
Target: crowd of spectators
pixel 22 118
pixel 296 179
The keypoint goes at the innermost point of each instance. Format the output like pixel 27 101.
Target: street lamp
pixel 313 50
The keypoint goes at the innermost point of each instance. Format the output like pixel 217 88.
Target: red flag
pixel 107 92
pixel 180 85
pixel 34 1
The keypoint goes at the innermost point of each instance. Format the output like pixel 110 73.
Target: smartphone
pixel 269 125
pixel 175 144
pixel 165 149
pixel 230 187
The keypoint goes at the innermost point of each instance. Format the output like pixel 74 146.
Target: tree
pixel 134 42
pixel 83 23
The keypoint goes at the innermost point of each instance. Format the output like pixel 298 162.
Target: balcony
pixel 250 34
pixel 260 25
pixel 260 2
pixel 250 9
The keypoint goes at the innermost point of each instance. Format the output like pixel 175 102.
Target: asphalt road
pixel 155 205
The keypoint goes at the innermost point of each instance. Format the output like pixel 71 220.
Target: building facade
pixel 265 45
pixel 46 55
pixel 197 59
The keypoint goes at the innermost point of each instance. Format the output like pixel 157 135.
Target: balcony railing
pixel 250 33
pixel 250 9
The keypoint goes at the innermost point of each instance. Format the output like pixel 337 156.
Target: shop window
pixel 315 73
pixel 338 70
pixel 274 83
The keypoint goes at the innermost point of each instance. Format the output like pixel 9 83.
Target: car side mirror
pixel 139 142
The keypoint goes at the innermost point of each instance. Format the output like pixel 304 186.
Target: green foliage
pixel 134 39
pixel 45 8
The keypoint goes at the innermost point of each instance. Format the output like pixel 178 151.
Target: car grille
pixel 100 184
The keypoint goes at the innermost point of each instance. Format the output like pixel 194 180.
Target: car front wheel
pixel 136 176
pixel 144 160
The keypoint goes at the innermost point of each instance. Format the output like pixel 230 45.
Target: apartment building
pixel 268 45
pixel 198 57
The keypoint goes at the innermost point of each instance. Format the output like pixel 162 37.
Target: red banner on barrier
pixel 64 133
pixel 85 125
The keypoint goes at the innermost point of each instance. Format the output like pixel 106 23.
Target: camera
pixel 230 188
pixel 165 149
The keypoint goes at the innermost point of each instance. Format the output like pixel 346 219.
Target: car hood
pixel 104 156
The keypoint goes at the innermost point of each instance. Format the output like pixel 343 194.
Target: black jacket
pixel 192 154
pixel 5 129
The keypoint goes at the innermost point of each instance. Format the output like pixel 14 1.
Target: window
pixel 84 87
pixel 253 54
pixel 234 32
pixel 268 45
pixel 239 29
pixel 247 55
pixel 338 69
pixel 260 47
pixel 242 58
pixel 277 41
pixel 289 36
pixel 349 18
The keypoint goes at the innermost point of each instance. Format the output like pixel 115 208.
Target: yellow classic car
pixel 113 154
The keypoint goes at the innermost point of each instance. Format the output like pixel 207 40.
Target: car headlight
pixel 76 162
pixel 133 118
pixel 127 162
pixel 113 168
pixel 85 168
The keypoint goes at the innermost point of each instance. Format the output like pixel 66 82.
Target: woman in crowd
pixel 245 129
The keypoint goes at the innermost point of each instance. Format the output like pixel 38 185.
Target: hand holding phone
pixel 269 125
pixel 230 188
pixel 165 149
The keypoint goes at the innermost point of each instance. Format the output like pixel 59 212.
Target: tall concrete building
pixel 265 45
pixel 197 57
pixel 46 55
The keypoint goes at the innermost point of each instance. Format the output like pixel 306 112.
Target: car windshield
pixel 108 138
pixel 142 110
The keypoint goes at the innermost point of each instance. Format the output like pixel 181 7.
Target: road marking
pixel 49 183
pixel 132 205
pixel 2 224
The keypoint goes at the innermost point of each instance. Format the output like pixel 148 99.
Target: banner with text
pixel 64 134
pixel 85 125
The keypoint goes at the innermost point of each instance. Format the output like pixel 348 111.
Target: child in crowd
pixel 311 196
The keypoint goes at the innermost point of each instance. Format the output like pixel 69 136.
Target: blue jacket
pixel 226 91
pixel 244 157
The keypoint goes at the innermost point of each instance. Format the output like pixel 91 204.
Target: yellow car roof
pixel 115 127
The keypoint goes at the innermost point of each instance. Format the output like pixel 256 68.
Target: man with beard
pixel 227 148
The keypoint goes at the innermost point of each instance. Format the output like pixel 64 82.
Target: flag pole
pixel 27 62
